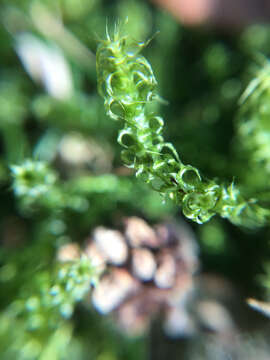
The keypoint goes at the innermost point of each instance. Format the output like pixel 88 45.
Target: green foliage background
pixel 47 201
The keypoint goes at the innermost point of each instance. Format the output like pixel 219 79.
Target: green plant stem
pixel 128 85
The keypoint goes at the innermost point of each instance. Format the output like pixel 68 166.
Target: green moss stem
pixel 128 85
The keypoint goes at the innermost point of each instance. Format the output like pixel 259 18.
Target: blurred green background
pixel 61 173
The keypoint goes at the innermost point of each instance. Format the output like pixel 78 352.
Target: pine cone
pixel 148 273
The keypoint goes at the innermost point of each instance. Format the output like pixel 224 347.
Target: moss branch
pixel 128 86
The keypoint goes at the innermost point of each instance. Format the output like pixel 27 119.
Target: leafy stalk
pixel 128 85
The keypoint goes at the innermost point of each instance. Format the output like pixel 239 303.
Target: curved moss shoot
pixel 128 85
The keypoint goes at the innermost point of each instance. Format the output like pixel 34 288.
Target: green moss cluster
pixel 128 85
